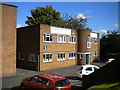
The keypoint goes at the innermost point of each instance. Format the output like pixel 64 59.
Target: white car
pixel 86 70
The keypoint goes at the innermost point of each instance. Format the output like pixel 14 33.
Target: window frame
pixel 72 39
pixel 62 55
pixel 50 59
pixel 89 42
pixel 34 55
pixel 80 56
pixel 50 37
pixel 95 53
pixel 21 55
pixel 62 39
pixel 73 55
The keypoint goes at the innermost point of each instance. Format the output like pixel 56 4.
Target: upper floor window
pixel 72 55
pixel 61 56
pixel 32 57
pixel 72 39
pixel 61 38
pixel 47 57
pixel 88 42
pixel 21 55
pixel 47 37
pixel 95 40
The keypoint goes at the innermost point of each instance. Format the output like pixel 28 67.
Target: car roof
pixel 53 77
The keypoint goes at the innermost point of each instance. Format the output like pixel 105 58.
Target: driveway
pixel 70 72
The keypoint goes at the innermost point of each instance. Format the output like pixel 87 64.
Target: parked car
pixel 46 82
pixel 86 70
pixel 110 60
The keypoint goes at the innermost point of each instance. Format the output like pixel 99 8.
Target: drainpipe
pixel 38 63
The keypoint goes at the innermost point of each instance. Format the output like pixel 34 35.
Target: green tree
pixel 48 15
pixel 110 45
pixel 44 15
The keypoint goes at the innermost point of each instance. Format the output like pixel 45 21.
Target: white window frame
pixel 47 59
pixel 81 56
pixel 72 55
pixel 72 39
pixel 88 42
pixel 61 38
pixel 95 40
pixel 62 58
pixel 32 57
pixel 95 53
pixel 47 36
pixel 21 56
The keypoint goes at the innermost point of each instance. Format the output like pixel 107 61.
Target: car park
pixel 46 82
pixel 86 70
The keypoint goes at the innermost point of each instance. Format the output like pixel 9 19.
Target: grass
pixel 106 86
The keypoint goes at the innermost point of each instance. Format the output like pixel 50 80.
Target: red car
pixel 46 82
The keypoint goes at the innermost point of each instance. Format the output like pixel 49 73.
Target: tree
pixel 48 15
pixel 110 45
pixel 44 15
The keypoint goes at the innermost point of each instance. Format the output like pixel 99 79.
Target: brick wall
pixel 8 39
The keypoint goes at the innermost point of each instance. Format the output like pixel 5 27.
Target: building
pixel 8 15
pixel 43 47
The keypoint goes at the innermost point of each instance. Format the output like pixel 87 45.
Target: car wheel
pixel 23 87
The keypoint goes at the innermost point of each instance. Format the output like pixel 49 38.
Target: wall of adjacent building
pixel 28 43
pixel 8 42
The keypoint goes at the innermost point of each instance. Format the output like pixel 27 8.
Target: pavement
pixel 13 82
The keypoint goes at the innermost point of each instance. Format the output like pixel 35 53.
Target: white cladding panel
pixel 93 35
pixel 57 30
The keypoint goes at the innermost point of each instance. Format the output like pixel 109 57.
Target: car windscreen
pixel 62 83
pixel 81 68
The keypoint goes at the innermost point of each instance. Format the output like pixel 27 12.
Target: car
pixel 110 60
pixel 47 81
pixel 86 70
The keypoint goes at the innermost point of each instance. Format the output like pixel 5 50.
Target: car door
pixel 88 70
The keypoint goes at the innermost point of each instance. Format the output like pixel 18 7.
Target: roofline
pixel 9 5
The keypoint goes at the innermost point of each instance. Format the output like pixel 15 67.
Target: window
pixel 61 38
pixel 61 56
pixel 95 40
pixel 88 42
pixel 47 57
pixel 47 38
pixel 32 57
pixel 81 56
pixel 72 55
pixel 39 80
pixel 21 55
pixel 95 68
pixel 45 47
pixel 62 83
pixel 95 53
pixel 72 39
pixel 89 69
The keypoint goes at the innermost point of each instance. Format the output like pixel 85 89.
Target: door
pixel 88 59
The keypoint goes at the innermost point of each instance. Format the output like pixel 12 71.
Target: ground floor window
pixel 95 53
pixel 21 55
pixel 32 57
pixel 72 55
pixel 61 56
pixel 81 56
pixel 47 57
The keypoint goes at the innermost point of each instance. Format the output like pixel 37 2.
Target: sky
pixel 102 16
